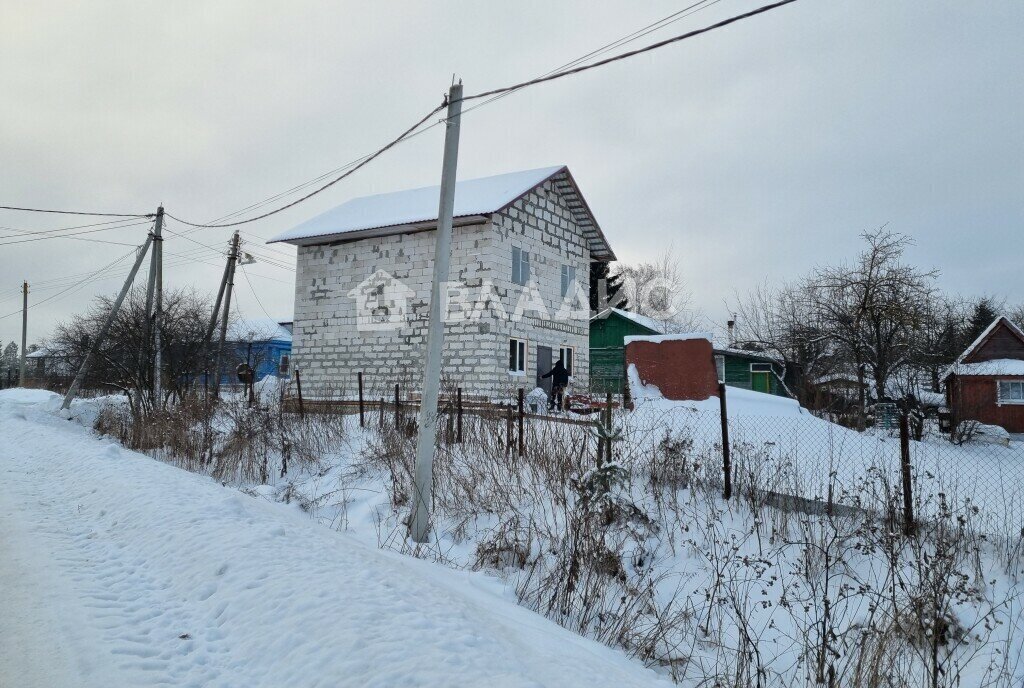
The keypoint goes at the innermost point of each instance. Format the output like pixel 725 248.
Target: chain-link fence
pixel 911 471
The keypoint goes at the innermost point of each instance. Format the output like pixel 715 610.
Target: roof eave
pixel 375 232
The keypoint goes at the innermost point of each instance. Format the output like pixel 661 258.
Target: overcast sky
pixel 757 151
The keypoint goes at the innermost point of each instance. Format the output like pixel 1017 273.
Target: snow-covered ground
pixel 794 452
pixel 120 570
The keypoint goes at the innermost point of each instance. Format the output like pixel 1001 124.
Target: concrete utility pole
pixel 80 377
pixel 427 437
pixel 229 283
pixel 158 258
pixel 24 333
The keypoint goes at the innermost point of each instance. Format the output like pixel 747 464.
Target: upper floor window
pixel 520 265
pixel 1011 392
pixel 568 279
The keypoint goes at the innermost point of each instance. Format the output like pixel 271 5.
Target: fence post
pixel 298 387
pixel 726 459
pixel 458 411
pixel 398 410
pixel 608 428
pixel 380 419
pixel 362 418
pixel 908 501
pixel 508 429
pixel 521 410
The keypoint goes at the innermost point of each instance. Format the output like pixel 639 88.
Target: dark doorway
pixel 543 366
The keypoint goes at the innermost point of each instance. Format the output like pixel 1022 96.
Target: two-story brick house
pixel 517 299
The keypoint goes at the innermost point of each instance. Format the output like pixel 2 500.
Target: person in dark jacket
pixel 559 379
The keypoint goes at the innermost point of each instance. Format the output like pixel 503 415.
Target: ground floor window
pixel 1011 391
pixel 516 355
pixel 568 356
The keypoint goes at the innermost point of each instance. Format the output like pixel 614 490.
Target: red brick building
pixel 986 383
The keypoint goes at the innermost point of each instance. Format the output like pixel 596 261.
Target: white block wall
pixel 330 350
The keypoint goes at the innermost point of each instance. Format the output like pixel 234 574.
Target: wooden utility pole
pixel 80 377
pixel 228 284
pixel 158 258
pixel 427 437
pixel 24 333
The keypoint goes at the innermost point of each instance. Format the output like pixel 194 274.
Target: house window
pixel 568 279
pixel 568 355
pixel 1011 391
pixel 760 367
pixel 720 367
pixel 283 367
pixel 520 266
pixel 517 356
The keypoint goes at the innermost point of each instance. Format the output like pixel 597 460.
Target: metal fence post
pixel 522 394
pixel 298 387
pixel 608 428
pixel 726 458
pixel 908 501
pixel 362 417
pixel 458 407
pixel 398 410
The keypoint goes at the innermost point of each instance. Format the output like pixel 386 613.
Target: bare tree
pixel 871 309
pixel 125 359
pixel 779 321
pixel 656 289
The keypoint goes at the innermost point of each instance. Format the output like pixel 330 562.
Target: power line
pixel 75 212
pixel 366 160
pixel 628 38
pixel 80 283
pixel 631 53
pixel 253 290
pixel 409 133
pixel 70 235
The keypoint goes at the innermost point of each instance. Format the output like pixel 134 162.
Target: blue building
pixel 263 343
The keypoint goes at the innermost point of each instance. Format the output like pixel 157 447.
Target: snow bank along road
pixel 118 570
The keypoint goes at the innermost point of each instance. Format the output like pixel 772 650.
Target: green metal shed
pixel 608 330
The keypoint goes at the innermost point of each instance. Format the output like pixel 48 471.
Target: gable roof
pixel 963 367
pixel 258 330
pixel 642 320
pixel 416 209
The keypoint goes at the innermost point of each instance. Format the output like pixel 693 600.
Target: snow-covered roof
pixel 659 338
pixel 961 368
pixel 998 366
pixel 258 330
pixel 405 210
pixel 41 352
pixel 726 349
pixel 641 320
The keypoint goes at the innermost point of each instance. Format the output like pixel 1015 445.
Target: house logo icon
pixel 382 302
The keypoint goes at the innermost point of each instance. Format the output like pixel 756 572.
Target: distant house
pixel 986 384
pixel 516 302
pixel 42 363
pixel 751 370
pixel 263 343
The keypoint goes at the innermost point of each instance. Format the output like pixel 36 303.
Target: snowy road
pixel 118 570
